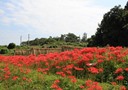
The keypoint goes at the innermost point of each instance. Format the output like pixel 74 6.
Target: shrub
pixel 4 51
pixel 11 46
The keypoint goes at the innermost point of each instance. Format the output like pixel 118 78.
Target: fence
pixel 38 51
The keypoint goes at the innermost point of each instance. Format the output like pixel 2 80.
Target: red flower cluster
pixel 69 64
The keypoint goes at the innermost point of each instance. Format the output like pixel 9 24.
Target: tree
pixel 11 45
pixel 113 29
pixel 70 37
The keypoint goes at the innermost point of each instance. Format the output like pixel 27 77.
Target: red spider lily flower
pixel 96 87
pixel 69 72
pixel 39 69
pixel 81 87
pixel 120 77
pixel 6 76
pixel 70 66
pixel 100 61
pixel 54 86
pixel 74 80
pixel 92 85
pixel 61 73
pixel 57 81
pixel 59 88
pixel 119 70
pixel 88 83
pixel 15 78
pixel 95 83
pixel 126 69
pixel 71 77
pixel 24 78
pixel 58 67
pixel 28 71
pixel 8 72
pixel 101 70
pixel 113 83
pixel 6 69
pixel 78 69
pixel 93 70
pixel 123 88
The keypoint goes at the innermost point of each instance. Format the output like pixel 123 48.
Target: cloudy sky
pixel 44 18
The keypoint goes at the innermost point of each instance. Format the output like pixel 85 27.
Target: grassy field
pixel 84 69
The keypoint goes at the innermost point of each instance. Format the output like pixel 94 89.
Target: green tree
pixel 11 45
pixel 113 29
pixel 70 37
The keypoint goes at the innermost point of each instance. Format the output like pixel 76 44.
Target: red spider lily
pixel 88 83
pixel 6 76
pixel 95 87
pixel 126 69
pixel 78 69
pixel 92 85
pixel 55 85
pixel 61 73
pixel 123 88
pixel 100 61
pixel 58 67
pixel 59 89
pixel 71 77
pixel 113 83
pixel 39 69
pixel 81 87
pixel 57 81
pixel 119 70
pixel 74 80
pixel 120 78
pixel 101 70
pixel 93 70
pixel 27 71
pixel 69 66
pixel 6 69
pixel 24 78
pixel 15 78
pixel 68 72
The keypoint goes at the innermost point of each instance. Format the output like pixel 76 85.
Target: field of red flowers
pixel 85 69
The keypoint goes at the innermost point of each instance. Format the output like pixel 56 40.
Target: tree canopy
pixel 113 29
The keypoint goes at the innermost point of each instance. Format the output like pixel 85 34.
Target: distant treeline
pixel 64 39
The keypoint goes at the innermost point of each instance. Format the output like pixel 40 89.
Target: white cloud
pixel 56 16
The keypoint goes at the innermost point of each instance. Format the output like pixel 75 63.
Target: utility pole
pixel 20 40
pixel 28 38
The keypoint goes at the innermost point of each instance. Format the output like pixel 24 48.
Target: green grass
pixel 39 81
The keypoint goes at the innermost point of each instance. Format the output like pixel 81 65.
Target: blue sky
pixel 44 18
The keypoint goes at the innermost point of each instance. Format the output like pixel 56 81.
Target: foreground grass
pixel 38 81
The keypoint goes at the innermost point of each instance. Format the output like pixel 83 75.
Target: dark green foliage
pixel 70 37
pixel 4 51
pixel 56 42
pixel 11 46
pixel 113 29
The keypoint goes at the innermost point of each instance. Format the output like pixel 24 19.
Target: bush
pixel 11 46
pixel 4 51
